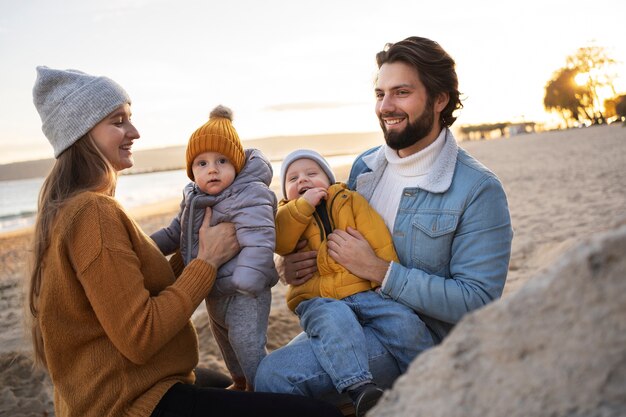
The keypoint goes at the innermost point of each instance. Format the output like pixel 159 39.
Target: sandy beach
pixel 561 186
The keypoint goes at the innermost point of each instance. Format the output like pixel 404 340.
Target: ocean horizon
pixel 18 198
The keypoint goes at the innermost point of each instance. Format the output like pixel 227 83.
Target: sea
pixel 18 198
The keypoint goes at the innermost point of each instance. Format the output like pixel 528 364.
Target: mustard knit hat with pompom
pixel 216 135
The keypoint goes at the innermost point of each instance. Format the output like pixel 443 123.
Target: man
pixel 448 216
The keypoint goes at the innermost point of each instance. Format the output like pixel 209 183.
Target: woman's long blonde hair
pixel 82 167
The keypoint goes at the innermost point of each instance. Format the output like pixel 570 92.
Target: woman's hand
pixel 296 268
pixel 353 252
pixel 217 244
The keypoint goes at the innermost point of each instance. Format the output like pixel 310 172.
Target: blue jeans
pixel 365 337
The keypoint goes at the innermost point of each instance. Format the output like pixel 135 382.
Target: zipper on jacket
pixel 319 225
pixel 329 212
pixel 330 209
pixel 192 204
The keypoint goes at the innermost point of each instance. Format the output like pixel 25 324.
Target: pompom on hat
pixel 71 102
pixel 305 154
pixel 216 135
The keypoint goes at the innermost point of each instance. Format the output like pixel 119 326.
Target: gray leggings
pixel 239 323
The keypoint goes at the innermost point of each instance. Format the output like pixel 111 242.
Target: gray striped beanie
pixel 70 103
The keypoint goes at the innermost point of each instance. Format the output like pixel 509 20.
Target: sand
pixel 561 186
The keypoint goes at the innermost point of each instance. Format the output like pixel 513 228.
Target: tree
pixel 594 68
pixel 578 90
pixel 566 97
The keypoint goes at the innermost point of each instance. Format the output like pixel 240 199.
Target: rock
pixel 556 347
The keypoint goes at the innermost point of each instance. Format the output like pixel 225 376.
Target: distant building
pixel 519 128
pixel 495 130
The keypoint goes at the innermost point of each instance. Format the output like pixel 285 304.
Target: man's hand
pixel 350 249
pixel 296 268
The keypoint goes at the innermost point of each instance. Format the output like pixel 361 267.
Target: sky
pixel 286 67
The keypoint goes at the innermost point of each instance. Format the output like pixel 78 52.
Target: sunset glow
pixel 582 79
pixel 285 68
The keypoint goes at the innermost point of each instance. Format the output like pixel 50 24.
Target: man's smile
pixel 392 122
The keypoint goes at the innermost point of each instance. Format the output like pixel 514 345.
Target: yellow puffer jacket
pixel 297 219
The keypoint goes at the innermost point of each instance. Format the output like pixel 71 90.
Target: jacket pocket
pixel 433 233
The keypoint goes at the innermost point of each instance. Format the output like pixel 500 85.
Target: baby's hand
pixel 315 195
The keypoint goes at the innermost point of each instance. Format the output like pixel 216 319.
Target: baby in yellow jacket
pixel 335 306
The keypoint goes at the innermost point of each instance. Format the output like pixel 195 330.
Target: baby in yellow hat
pixel 235 183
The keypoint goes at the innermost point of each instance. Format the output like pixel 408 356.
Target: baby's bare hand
pixel 315 195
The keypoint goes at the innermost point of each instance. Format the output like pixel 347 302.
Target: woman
pixel 111 316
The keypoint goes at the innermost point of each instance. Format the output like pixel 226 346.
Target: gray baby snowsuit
pixel 240 300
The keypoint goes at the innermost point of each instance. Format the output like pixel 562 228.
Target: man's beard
pixel 413 132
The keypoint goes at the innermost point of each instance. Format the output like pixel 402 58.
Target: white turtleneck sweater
pixel 401 173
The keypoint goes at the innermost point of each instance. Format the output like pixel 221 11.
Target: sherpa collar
pixel 438 179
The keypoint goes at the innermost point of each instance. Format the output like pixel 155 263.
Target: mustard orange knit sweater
pixel 115 322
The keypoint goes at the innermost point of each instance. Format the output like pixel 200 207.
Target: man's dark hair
pixel 434 67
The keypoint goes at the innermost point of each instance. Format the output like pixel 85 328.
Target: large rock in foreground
pixel 557 347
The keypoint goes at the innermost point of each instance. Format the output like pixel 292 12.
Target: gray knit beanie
pixel 70 103
pixel 305 154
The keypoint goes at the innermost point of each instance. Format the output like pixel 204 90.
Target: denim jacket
pixel 453 236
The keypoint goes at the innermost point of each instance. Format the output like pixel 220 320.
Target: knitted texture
pixel 70 103
pixel 305 154
pixel 115 320
pixel 216 135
